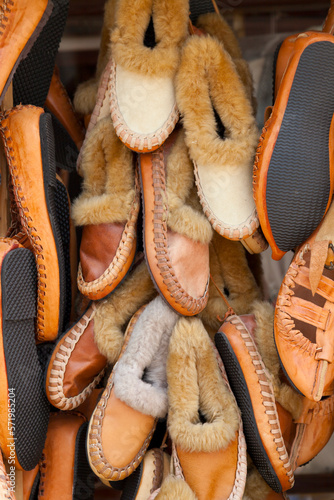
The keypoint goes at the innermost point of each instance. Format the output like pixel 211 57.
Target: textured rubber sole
pixel 198 7
pixel 298 181
pixel 33 76
pixel 63 217
pixel 34 490
pixel 84 477
pixel 24 374
pixel 239 388
pixel 132 483
pixel 50 187
pixel 66 150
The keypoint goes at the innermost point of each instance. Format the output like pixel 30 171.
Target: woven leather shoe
pixel 21 23
pixel 28 140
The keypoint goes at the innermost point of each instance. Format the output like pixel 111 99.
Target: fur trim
pixel 207 79
pixel 195 384
pixel 230 271
pixel 85 97
pixel 284 394
pixel 170 19
pixel 140 378
pixel 114 313
pixel 108 186
pixel 174 488
pixel 256 487
pixel 182 217
pixel 216 26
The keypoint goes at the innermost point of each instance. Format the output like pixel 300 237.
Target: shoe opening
pixel 220 128
pixel 149 38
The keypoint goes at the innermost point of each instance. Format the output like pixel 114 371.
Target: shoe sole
pixel 28 46
pixel 33 76
pixel 298 177
pixel 84 477
pixel 240 390
pixel 199 7
pixel 24 374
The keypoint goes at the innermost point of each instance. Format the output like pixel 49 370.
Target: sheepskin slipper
pixel 176 237
pixel 28 139
pixel 125 418
pixel 203 419
pixel 64 457
pixel 221 135
pixel 293 192
pixel 253 389
pixel 76 365
pixel 173 487
pixel 303 315
pixel 144 482
pixel 108 210
pixel 7 486
pixel 199 7
pixel 24 410
pixel 145 46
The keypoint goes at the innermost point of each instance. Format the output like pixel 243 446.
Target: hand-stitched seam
pixel 139 142
pixel 4 8
pixel 158 463
pixel 160 239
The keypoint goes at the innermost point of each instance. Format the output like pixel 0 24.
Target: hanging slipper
pixel 80 356
pixel 24 408
pixel 221 136
pixel 28 141
pixel 174 229
pixel 199 7
pixel 108 211
pixel 148 477
pixel 303 315
pixel 33 76
pixel 135 397
pixel 64 456
pixel 20 27
pixel 7 486
pixel 203 418
pixel 293 170
pixel 253 389
pixel 145 46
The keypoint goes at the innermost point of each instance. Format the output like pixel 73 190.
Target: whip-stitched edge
pixel 109 472
pixel 285 325
pixel 268 398
pixel 154 494
pixel 133 140
pixel 26 219
pixel 102 94
pixel 3 18
pixel 160 239
pixel 158 469
pixel 256 168
pixel 240 232
pixel 5 491
pixel 121 258
pixel 58 370
pixel 241 472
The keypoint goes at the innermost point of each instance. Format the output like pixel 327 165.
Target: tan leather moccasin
pixel 24 410
pixel 21 23
pixel 293 170
pixel 125 418
pixel 64 457
pixel 253 390
pixel 203 419
pixel 28 140
pixel 76 365
pixel 177 259
pixel 304 315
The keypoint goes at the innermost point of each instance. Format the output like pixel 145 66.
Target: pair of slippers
pixel 283 430
pixel 293 170
pixel 168 239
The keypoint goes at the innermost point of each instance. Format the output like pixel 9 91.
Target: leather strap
pixel 309 313
pixel 325 286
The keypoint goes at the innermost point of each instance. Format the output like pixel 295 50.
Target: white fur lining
pixel 145 102
pixel 140 378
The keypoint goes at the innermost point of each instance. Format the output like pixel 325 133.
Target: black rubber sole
pixel 84 477
pixel 298 181
pixel 50 188
pixel 66 150
pixel 63 217
pixel 132 483
pixel 33 76
pixel 239 388
pixel 34 490
pixel 198 7
pixel 24 373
